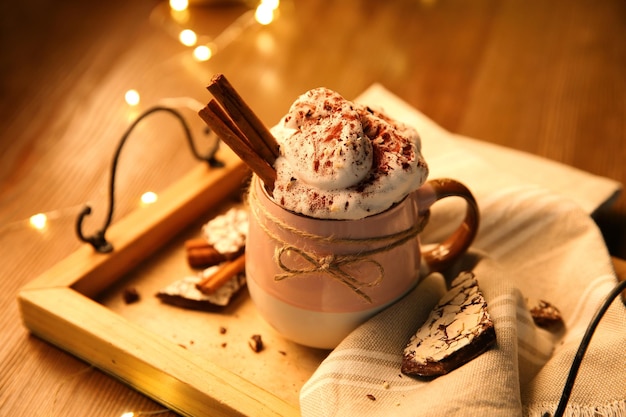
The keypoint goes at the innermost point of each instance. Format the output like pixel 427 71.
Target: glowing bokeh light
pixel 273 4
pixel 202 53
pixel 149 198
pixel 264 14
pixel 265 43
pixel 188 37
pixel 132 97
pixel 38 221
pixel 179 5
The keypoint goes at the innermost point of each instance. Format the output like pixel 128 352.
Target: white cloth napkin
pixel 488 167
pixel 536 241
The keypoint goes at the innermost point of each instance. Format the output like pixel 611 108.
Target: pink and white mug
pixel 316 280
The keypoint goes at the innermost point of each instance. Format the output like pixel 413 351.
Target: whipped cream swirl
pixel 343 160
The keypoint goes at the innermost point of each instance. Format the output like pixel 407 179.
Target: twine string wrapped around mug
pixel 333 265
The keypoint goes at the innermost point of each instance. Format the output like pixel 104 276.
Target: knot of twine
pixel 332 265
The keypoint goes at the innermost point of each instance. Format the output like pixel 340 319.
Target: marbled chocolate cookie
pixel 458 330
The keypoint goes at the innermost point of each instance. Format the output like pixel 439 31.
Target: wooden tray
pixel 178 357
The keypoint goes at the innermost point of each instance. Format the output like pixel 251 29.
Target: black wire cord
pixel 98 240
pixel 584 344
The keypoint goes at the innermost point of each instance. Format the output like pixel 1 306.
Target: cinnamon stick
pixel 230 124
pixel 196 243
pixel 228 270
pixel 260 137
pixel 214 117
pixel 201 254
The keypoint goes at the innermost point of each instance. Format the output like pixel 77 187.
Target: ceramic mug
pixel 316 280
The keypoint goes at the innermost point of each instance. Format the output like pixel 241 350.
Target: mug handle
pixel 445 253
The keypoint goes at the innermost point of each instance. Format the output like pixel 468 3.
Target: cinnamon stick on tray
pixel 226 272
pixel 201 254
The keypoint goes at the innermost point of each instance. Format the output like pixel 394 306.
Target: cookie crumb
pixel 256 343
pixel 131 295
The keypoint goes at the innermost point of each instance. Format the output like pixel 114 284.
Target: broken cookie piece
pixel 546 316
pixel 184 293
pixel 458 330
pixel 223 238
pixel 227 232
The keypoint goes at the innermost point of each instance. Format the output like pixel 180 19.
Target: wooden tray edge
pixel 49 306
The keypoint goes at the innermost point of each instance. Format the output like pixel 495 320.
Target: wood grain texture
pixel 543 77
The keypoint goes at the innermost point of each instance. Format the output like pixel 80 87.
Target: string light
pixel 265 43
pixel 264 13
pixel 38 221
pixel 149 197
pixel 273 4
pixel 179 5
pixel 132 97
pixel 188 37
pixel 202 53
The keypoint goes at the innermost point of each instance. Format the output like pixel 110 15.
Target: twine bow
pixel 331 265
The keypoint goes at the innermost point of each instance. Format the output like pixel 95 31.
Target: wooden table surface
pixel 545 77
